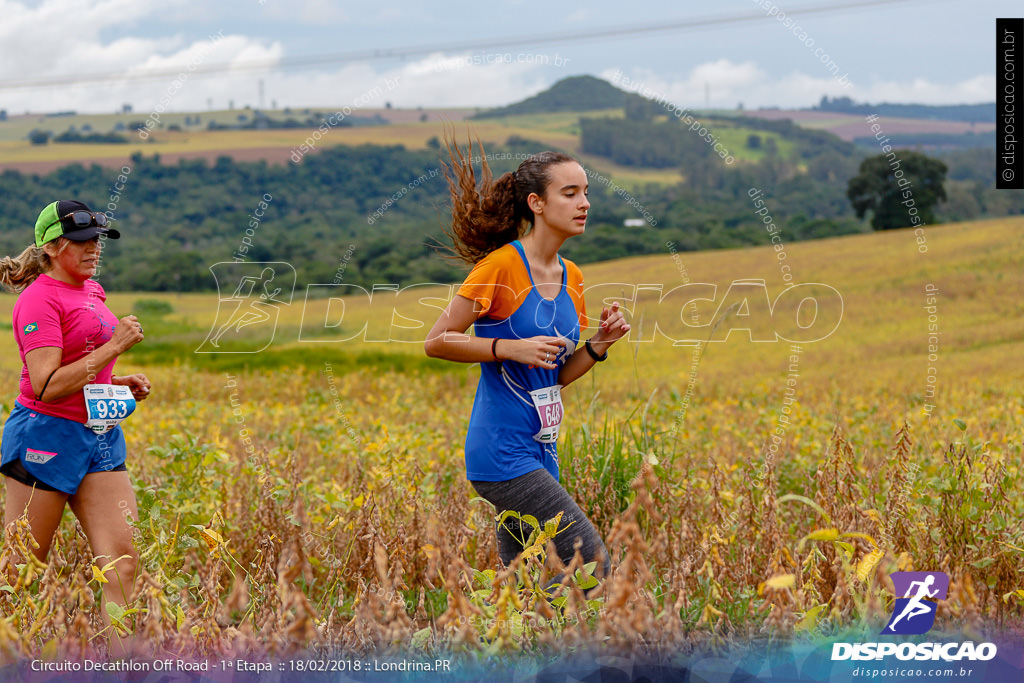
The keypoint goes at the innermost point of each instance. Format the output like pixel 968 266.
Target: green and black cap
pixel 74 220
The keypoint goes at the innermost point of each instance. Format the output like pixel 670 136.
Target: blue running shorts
pixel 57 451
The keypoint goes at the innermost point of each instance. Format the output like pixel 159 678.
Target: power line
pixel 401 53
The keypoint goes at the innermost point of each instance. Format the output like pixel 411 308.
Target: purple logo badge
pixel 917 596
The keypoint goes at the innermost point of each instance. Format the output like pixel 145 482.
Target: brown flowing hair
pixel 497 213
pixel 18 272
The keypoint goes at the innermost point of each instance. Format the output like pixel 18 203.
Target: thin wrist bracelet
pixel 593 354
pixel 494 344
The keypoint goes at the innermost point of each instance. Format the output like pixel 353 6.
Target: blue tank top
pixel 500 444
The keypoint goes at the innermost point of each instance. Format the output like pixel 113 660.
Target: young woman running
pixel 526 305
pixel 68 338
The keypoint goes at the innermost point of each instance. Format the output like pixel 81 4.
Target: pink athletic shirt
pixel 76 319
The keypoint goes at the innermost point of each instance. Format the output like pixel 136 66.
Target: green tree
pixel 896 188
pixel 641 109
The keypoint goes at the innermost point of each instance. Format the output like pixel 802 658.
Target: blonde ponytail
pixel 17 273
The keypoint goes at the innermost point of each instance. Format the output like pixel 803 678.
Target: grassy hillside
pixel 573 94
pixel 881 278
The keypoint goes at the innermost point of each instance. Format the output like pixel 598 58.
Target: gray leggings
pixel 539 494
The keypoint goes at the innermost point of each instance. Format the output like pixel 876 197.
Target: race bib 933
pixel 106 405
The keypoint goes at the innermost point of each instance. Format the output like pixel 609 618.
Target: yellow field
pixel 323 502
pixel 412 135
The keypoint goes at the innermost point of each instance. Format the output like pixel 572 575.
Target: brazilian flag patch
pixel 30 328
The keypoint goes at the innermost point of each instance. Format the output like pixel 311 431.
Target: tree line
pixel 178 219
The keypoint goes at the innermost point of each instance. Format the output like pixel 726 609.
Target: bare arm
pixel 448 340
pixel 44 363
pixel 138 383
pixel 613 328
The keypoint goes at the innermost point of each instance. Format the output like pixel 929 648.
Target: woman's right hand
pixel 127 334
pixel 539 351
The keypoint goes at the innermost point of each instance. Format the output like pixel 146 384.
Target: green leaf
pixel 484 578
pixel 960 423
pixel 806 501
pixel 506 514
pixel 420 638
pixel 114 610
pixel 531 520
pixel 551 526
pixel 117 613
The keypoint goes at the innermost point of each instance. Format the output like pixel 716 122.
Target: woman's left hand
pixel 138 383
pixel 613 326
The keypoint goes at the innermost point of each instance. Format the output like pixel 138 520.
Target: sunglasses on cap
pixel 82 219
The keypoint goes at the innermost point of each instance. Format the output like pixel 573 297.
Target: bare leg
pixel 103 504
pixel 44 508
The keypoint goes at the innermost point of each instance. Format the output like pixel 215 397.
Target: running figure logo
pixel 247 317
pixel 914 613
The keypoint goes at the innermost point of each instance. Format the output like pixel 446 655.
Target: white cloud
pixel 435 81
pixel 27 54
pixel 41 40
pixel 471 79
pixel 797 90
pixel 974 90
pixel 722 80
pixel 119 37
pixel 725 75
pixel 729 83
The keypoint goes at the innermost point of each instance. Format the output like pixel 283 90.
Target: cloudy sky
pixel 95 55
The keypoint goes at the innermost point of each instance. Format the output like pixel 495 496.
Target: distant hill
pixel 970 113
pixel 576 93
